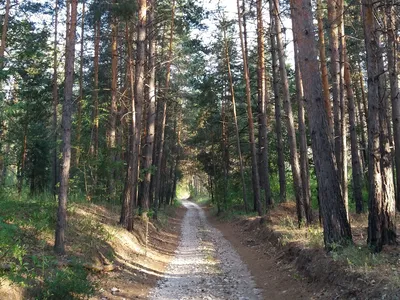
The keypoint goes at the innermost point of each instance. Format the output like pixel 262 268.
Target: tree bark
pixel 111 133
pixel 278 119
pixel 232 91
pixel 94 144
pixel 163 116
pixel 336 226
pixel 54 125
pixel 294 158
pixel 355 154
pixel 394 89
pixel 342 107
pixel 151 112
pixel 59 245
pixel 381 218
pixel 80 99
pixel 127 196
pixel 324 69
pixel 255 176
pixel 333 18
pixel 263 167
pixel 304 165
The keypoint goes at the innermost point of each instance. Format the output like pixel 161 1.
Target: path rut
pixel 205 265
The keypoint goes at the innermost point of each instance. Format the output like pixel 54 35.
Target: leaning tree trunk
pixel 255 174
pixel 381 218
pixel 294 157
pixel 336 226
pixel 61 225
pixel 263 167
pixel 232 91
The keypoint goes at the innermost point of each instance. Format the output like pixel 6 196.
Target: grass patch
pixel 27 224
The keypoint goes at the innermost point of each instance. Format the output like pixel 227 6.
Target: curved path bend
pixel 205 265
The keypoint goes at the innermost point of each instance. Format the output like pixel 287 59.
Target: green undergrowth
pixel 27 224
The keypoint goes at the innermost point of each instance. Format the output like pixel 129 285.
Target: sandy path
pixel 205 266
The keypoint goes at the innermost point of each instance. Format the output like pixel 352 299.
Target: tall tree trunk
pixel 294 158
pixel 127 197
pixel 304 165
pixel 336 226
pixel 381 218
pixel 394 88
pixel 342 107
pixel 263 167
pixel 324 69
pixel 151 112
pixel 163 116
pixel 80 99
pixel 111 134
pixel 232 91
pixel 255 174
pixel 335 76
pixel 355 154
pixel 361 124
pixel 139 95
pixel 278 119
pixel 54 125
pixel 59 245
pixel 94 144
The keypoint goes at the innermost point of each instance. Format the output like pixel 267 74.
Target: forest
pixel 249 104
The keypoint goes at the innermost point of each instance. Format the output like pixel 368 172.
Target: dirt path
pixel 205 266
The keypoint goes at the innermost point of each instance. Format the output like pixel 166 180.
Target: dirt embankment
pixel 293 265
pixel 140 263
pixel 120 264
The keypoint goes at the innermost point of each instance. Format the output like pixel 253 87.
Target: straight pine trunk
pixel 54 125
pixel 263 167
pixel 80 99
pixel 61 225
pixel 394 88
pixel 381 218
pixel 151 112
pixel 278 119
pixel 255 177
pixel 94 144
pixel 163 116
pixel 336 226
pixel 304 165
pixel 324 69
pixel 333 18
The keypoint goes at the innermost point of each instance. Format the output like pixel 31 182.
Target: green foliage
pixel 69 283
pixel 357 256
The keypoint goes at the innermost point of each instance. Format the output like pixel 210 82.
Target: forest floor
pixel 290 263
